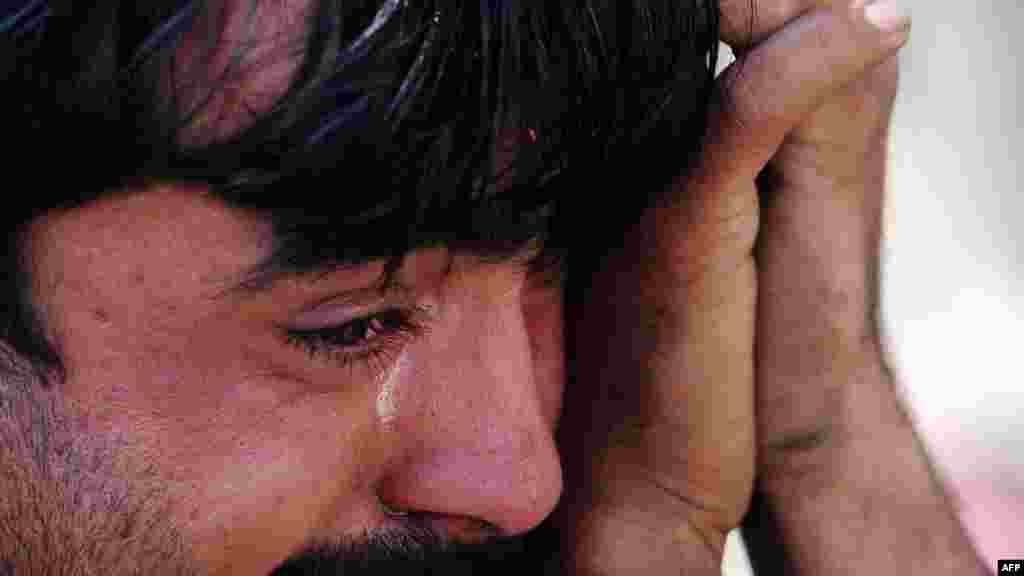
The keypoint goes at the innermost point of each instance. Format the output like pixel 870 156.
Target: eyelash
pixel 374 339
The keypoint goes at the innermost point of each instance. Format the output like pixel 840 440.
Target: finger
pixel 763 96
pixel 746 22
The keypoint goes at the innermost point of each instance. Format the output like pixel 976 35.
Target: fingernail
pixel 887 15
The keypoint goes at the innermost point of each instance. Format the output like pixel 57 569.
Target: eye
pixel 372 339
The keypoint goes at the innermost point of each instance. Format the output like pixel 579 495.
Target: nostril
pixel 451 527
pixel 448 528
pixel 462 529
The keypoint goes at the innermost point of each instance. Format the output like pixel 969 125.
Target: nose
pixel 487 384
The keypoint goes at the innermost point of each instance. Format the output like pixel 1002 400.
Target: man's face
pixel 266 421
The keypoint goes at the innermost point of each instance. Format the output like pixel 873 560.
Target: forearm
pixel 864 501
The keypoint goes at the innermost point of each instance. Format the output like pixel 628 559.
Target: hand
pixel 658 433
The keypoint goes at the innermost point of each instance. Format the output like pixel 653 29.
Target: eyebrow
pixel 267 274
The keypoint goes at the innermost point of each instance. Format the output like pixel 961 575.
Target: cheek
pixel 250 457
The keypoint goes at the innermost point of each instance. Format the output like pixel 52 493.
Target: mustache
pixel 415 549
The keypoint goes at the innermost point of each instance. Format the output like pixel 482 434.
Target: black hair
pixel 385 137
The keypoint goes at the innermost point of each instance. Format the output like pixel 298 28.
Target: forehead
pixel 183 242
pixel 177 237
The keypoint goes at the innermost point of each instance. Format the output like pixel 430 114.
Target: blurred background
pixel 953 259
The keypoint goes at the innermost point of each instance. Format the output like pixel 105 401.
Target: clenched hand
pixel 659 432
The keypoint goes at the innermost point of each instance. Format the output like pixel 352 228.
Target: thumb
pixel 767 92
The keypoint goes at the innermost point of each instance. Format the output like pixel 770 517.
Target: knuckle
pixel 747 106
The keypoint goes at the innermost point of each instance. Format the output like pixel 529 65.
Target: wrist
pixel 863 429
pixel 641 531
pixel 868 501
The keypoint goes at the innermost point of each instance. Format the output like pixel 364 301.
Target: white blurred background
pixel 953 259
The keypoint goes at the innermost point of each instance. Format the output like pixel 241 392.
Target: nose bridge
pixel 484 447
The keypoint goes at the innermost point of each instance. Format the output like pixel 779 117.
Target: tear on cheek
pixel 387 398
